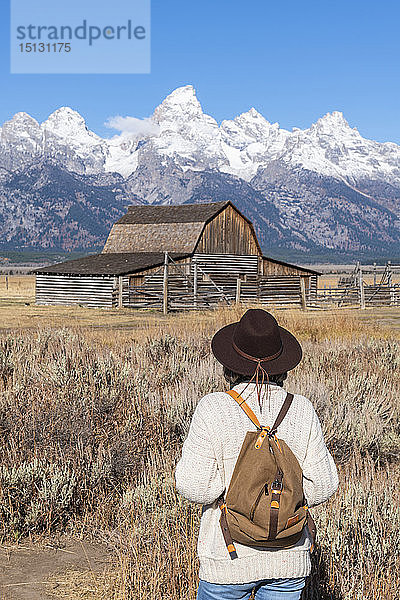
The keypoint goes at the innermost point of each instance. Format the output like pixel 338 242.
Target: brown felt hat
pixel 256 339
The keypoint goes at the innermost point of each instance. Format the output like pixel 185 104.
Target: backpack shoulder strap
pixel 245 407
pixel 282 413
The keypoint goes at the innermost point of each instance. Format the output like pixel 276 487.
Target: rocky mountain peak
pixel 332 122
pixel 182 103
pixel 21 124
pixel 255 122
pixel 253 114
pixel 23 118
pixel 65 122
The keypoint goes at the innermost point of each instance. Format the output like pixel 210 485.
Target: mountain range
pixel 321 191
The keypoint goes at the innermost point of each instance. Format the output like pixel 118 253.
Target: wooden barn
pixel 176 257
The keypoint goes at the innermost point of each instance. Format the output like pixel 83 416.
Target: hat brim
pixel 224 352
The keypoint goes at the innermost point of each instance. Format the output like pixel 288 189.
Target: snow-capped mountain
pixel 63 137
pixel 325 188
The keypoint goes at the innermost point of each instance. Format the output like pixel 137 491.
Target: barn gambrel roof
pixel 182 213
pixel 110 264
pixel 158 228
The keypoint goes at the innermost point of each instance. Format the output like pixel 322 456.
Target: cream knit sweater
pixel 204 471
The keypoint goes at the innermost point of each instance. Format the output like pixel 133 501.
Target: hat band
pixel 256 358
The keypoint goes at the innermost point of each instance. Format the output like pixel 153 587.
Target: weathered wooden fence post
pixel 303 297
pixel 361 286
pixel 195 283
pixel 120 302
pixel 389 273
pixel 165 284
pixel 374 274
pixel 238 288
pixel 390 284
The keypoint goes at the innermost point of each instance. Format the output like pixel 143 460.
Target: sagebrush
pixel 92 426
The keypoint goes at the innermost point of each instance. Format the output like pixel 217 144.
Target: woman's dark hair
pixel 234 378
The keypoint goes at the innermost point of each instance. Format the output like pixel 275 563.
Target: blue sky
pixel 293 61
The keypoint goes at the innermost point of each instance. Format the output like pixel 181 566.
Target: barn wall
pixel 228 233
pixel 312 287
pixel 273 268
pixel 183 263
pixel 91 291
pixel 227 266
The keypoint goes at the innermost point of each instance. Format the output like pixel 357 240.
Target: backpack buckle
pixel 263 433
pixel 276 486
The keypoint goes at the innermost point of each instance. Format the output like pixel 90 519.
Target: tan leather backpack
pixel 265 504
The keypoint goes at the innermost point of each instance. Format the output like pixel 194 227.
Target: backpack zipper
pixel 257 500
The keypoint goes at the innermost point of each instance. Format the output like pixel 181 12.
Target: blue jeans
pixel 266 589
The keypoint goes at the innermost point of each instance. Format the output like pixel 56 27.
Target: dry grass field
pixel 332 280
pixel 17 286
pixel 95 405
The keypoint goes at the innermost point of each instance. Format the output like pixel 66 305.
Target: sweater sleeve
pixel 196 475
pixel 320 477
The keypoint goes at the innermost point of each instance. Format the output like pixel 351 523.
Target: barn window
pixel 136 280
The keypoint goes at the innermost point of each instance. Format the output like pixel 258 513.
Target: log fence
pixel 189 287
pixel 207 281
pixel 204 284
pixel 354 291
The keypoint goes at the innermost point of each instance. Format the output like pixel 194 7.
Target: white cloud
pixel 133 127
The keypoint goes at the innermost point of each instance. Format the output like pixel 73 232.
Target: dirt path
pixel 24 569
